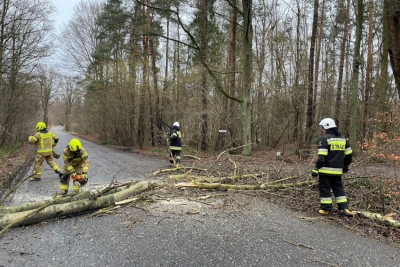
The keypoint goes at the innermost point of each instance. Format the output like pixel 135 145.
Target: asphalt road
pixel 179 228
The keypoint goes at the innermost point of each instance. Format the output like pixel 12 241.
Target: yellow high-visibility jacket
pixel 45 141
pixel 72 161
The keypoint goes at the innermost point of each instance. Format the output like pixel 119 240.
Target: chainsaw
pixel 77 177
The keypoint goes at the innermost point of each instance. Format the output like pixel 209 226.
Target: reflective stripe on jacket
pixel 332 151
pixel 44 141
pixel 175 141
pixel 80 160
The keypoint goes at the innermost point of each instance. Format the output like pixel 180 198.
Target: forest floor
pixel 367 187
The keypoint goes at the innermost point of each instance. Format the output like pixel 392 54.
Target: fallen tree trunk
pixel 64 209
pixel 195 184
pixel 67 199
pixel 38 204
pixel 378 217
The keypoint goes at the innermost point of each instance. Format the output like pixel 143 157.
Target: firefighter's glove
pixel 84 178
pixel 64 178
pixel 74 174
pixel 314 173
pixel 345 169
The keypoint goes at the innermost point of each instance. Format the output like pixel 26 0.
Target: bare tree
pixel 338 104
pixel 368 84
pixel 310 93
pixel 70 92
pixel 24 28
pixel 77 40
pixel 357 60
pixel 48 90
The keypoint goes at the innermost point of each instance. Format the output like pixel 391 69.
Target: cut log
pixel 83 195
pixel 378 217
pixel 64 209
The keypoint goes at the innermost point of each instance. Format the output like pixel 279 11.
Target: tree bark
pixel 368 68
pixel 65 209
pixel 204 91
pixel 382 89
pixel 157 125
pixel 393 11
pixel 338 104
pixel 310 93
pixel 247 79
pixel 354 82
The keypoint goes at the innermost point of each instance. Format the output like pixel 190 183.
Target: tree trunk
pixel 310 94
pixel 230 104
pixel 338 104
pixel 155 83
pixel 145 88
pixel 368 69
pixel 166 73
pixel 393 11
pixel 247 66
pixel 317 59
pixel 298 91
pixel 203 54
pixel 382 89
pixel 65 209
pixel 354 80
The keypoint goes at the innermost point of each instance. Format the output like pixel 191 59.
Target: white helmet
pixel 327 123
pixel 176 124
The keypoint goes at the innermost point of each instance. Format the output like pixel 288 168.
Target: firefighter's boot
pixel 347 212
pixel 62 193
pixel 323 212
pixel 76 187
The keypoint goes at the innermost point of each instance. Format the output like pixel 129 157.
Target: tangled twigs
pixel 223 153
pixel 111 187
pixel 180 168
pixel 113 179
pixel 104 211
pixel 281 180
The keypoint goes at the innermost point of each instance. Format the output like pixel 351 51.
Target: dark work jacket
pixel 334 152
pixel 175 141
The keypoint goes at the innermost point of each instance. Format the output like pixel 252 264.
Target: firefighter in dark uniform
pixel 334 158
pixel 175 145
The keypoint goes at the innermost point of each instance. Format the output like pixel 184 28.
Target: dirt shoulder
pixel 15 165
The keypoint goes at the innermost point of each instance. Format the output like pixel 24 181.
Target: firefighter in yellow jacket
pixel 76 167
pixel 45 141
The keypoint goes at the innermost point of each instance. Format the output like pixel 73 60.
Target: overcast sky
pixel 64 11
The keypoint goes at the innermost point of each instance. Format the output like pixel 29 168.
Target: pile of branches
pixel 33 212
pixel 374 198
